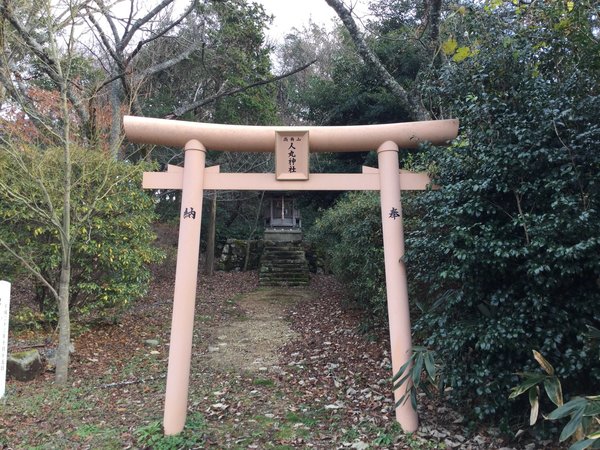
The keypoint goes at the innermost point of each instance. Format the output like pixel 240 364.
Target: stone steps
pixel 288 268
pixel 283 264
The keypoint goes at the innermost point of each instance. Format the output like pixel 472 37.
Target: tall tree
pixel 311 43
pixel 410 102
pixel 55 57
pixel 232 56
pixel 228 80
pixel 50 113
pixel 124 72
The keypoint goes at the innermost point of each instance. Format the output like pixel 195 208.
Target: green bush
pixel 507 255
pixel 349 236
pixel 26 318
pixel 583 426
pixel 114 244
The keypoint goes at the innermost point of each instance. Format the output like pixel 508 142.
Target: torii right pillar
pixel 395 276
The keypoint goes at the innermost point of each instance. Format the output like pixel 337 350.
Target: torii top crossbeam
pixel 248 138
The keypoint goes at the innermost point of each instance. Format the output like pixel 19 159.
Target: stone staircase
pixel 283 264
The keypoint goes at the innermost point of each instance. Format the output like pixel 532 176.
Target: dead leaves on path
pixel 325 386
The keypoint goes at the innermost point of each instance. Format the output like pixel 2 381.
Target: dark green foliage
pixel 352 94
pixel 111 224
pixel 507 256
pixel 243 58
pixel 350 237
pixel 583 412
pixel 340 89
pixel 233 55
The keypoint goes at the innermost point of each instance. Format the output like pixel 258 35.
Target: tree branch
pixel 128 35
pixel 27 202
pixel 130 382
pixel 412 106
pixel 160 33
pixel 31 268
pixel 34 45
pixel 518 198
pixel 52 66
pixel 171 62
pixel 187 108
pixel 103 37
pixel 104 11
pixel 19 95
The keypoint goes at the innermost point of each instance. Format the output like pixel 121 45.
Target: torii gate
pixel 291 146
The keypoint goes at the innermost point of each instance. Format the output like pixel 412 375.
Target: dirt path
pixel 271 369
pixel 252 341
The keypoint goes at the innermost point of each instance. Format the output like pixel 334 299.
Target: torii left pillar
pixel 184 300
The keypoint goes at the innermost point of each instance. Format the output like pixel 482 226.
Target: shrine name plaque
pixel 291 155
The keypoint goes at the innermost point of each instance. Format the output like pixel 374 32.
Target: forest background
pixel 504 259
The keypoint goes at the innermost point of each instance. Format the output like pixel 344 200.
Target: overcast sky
pixel 297 13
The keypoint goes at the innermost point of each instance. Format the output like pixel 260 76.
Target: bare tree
pixel 44 118
pixel 119 53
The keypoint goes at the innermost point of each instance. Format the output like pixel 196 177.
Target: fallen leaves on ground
pixel 321 385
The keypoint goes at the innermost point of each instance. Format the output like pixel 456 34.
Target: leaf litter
pixel 271 368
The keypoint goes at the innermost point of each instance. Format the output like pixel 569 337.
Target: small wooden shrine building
pixel 282 219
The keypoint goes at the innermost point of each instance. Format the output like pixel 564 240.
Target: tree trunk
pixel 64 284
pixel 258 212
pixel 64 325
pixel 411 105
pixel 115 126
pixel 210 245
pixel 434 22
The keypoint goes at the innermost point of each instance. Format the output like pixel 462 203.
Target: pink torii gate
pixel 291 146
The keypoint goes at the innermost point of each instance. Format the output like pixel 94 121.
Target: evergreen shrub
pixel 506 258
pixel 111 221
pixel 350 239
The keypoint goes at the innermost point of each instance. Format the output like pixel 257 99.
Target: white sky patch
pixel 290 14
